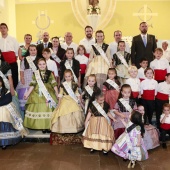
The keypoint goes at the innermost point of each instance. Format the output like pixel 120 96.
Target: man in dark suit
pixel 44 44
pixel 143 46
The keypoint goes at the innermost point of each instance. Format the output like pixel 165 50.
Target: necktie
pixel 45 45
pixel 144 40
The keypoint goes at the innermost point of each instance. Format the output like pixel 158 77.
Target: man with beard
pixel 69 42
pixel 143 46
pixel 114 45
pixel 44 44
pixel 88 41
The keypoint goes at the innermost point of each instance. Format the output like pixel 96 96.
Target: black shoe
pixel 43 131
pixel 125 159
pixel 92 151
pixel 3 147
pixel 164 146
pixel 105 152
pixel 48 131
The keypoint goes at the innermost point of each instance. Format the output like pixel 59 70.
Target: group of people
pixel 108 92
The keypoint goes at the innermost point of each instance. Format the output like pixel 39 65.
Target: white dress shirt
pixel 9 44
pixel 51 65
pixel 164 88
pixel 167 119
pixel 160 64
pixel 166 54
pixel 148 84
pixel 114 48
pixel 134 84
pixel 82 59
pixel 72 45
pixel 87 44
pixel 142 36
pixel 141 74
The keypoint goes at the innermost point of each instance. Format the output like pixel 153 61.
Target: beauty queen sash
pixel 113 84
pixel 54 56
pixel 122 59
pixel 17 120
pixel 126 105
pixel 67 65
pixel 89 90
pixel 6 82
pixel 100 110
pixel 43 90
pixel 102 53
pixel 70 91
pixel 31 63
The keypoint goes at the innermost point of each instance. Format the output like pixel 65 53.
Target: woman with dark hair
pixel 11 128
pixel 130 144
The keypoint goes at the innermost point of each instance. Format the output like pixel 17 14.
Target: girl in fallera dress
pixel 26 73
pixel 99 60
pixel 90 91
pixel 98 134
pixel 130 144
pixel 68 117
pixel 11 129
pixel 111 88
pixel 123 108
pixel 151 136
pixel 42 99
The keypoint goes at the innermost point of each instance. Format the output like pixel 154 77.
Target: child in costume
pixel 165 123
pixel 121 61
pixel 111 88
pixel 148 89
pixel 68 117
pixel 11 128
pixel 123 109
pixel 130 144
pixel 144 65
pixel 83 60
pixel 99 60
pixel 28 66
pixel 98 134
pixel 151 136
pixel 134 83
pixel 42 98
pixel 90 91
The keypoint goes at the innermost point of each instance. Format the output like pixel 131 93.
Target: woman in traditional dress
pixel 11 129
pixel 68 117
pixel 98 134
pixel 42 98
pixel 99 60
pixel 130 144
pixel 26 73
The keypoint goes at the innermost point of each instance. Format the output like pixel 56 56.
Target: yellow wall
pixel 64 20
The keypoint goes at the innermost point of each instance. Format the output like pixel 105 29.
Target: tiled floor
pixel 43 156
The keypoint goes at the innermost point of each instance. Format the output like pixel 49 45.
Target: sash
pixel 70 91
pixel 17 120
pixel 89 90
pixel 102 53
pixel 113 84
pixel 122 59
pixel 43 89
pixel 126 105
pixel 67 65
pixel 31 63
pixel 100 110
pixel 7 85
pixel 54 56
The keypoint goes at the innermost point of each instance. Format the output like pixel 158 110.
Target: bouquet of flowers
pixel 93 10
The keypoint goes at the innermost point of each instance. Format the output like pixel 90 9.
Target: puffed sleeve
pixel 22 68
pixel 61 92
pixel 33 81
pixel 52 80
pixel 108 55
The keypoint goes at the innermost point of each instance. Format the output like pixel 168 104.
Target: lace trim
pixel 8 135
pixel 40 115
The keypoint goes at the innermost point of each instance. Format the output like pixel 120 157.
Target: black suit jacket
pixel 75 67
pixel 40 48
pixel 139 51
